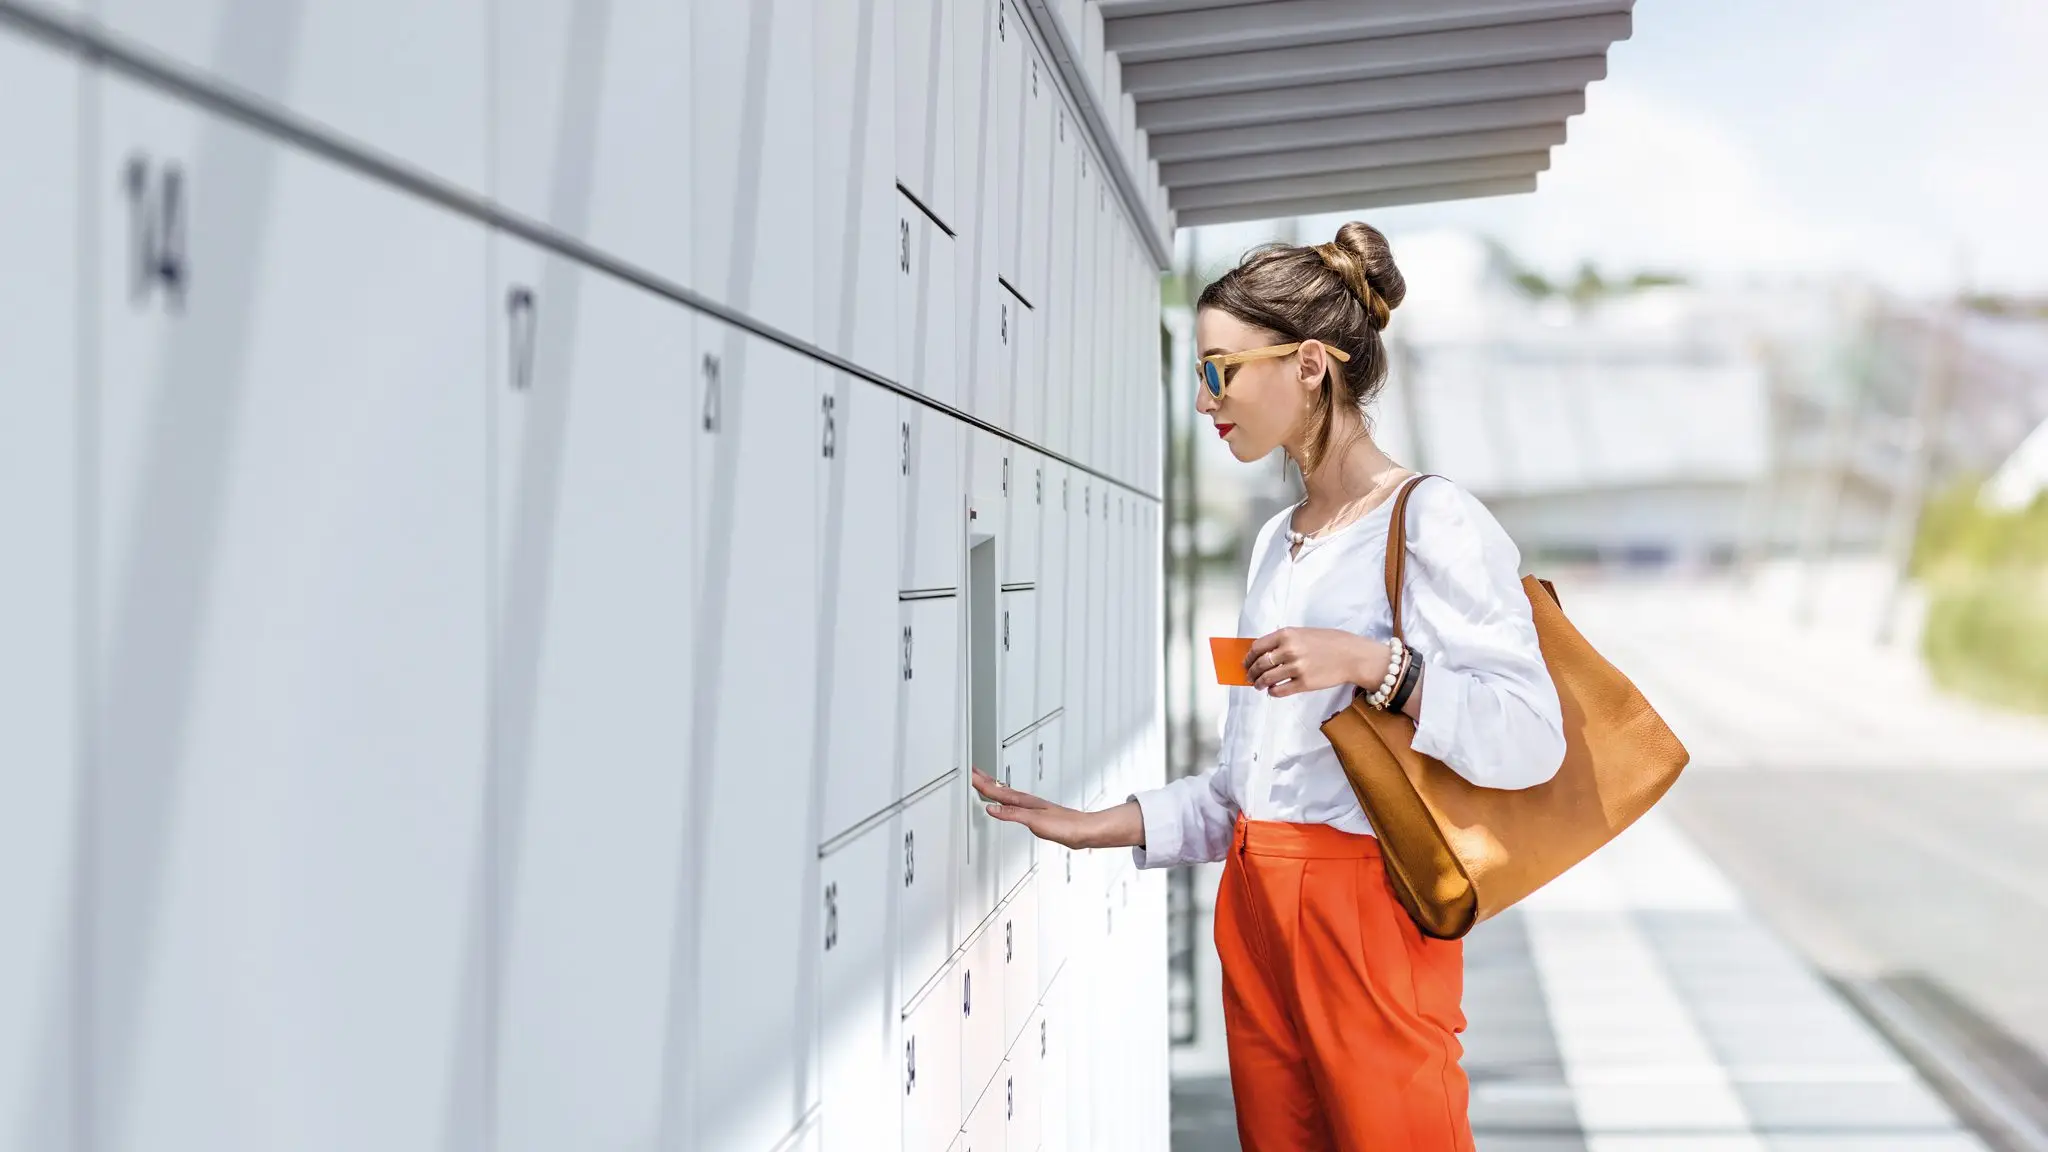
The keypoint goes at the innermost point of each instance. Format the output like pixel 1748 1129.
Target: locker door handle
pixel 967 993
pixel 1006 629
pixel 713 372
pixel 1006 475
pixel 519 322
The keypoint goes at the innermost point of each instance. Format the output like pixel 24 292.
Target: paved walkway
pixel 1640 1002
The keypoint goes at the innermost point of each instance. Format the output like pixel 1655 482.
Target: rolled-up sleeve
pixel 1489 707
pixel 1189 821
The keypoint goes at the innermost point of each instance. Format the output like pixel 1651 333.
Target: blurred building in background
pixel 1650 422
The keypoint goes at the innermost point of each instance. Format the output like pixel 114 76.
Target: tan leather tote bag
pixel 1458 853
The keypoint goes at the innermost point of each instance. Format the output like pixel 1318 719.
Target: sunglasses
pixel 1216 371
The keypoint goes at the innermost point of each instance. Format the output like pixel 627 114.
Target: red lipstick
pixel 1224 429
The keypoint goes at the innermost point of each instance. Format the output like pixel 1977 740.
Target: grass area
pixel 1986 575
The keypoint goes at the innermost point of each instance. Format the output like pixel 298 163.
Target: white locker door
pixel 1035 170
pixel 1052 589
pixel 1027 376
pixel 925 867
pixel 1054 881
pixel 933 509
pixel 927 317
pixel 986 1126
pixel 1019 676
pixel 930 689
pixel 1023 491
pixel 858 552
pixel 418 96
pixel 973 23
pixel 855 274
pixel 753 147
pixel 1045 764
pixel 1101 715
pixel 1058 306
pixel 856 1005
pixel 1013 842
pixel 1007 108
pixel 1019 925
pixel 592 421
pixel 752 850
pixel 291 637
pixel 927 45
pixel 1055 1028
pixel 1074 775
pixel 579 90
pixel 1084 405
pixel 41 583
pixel 995 388
pixel 1101 367
pixel 1024 1084
pixel 928 1061
pixel 981 1015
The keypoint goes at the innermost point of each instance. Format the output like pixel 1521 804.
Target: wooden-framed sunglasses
pixel 1216 371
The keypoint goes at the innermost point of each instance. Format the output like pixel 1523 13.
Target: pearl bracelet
pixel 1397 660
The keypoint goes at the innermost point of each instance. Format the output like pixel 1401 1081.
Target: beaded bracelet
pixel 1397 656
pixel 1411 675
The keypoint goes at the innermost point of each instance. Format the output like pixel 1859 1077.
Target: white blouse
pixel 1489 709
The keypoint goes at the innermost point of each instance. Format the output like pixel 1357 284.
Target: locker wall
pixel 490 656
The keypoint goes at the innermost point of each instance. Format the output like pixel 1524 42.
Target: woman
pixel 1341 1017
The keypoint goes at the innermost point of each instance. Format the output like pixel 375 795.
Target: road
pixel 1897 838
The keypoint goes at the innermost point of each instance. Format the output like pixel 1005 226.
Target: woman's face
pixel 1264 401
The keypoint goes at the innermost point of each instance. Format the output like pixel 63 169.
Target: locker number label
pixel 156 231
pixel 906 668
pixel 831 916
pixel 909 858
pixel 828 406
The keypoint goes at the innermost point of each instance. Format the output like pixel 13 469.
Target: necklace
pixel 1299 540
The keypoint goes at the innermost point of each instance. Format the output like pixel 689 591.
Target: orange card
pixel 1229 653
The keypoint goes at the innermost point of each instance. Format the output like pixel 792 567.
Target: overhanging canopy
pixel 1281 107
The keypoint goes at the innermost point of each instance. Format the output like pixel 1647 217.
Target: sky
pixel 1905 143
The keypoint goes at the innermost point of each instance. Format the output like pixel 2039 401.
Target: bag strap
pixel 1397 547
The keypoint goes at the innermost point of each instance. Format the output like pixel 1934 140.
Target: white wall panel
pixel 857 1015
pixel 929 1066
pixel 338 64
pixel 290 643
pixel 580 92
pixel 927 51
pixel 40 588
pixel 757 604
pixel 931 497
pixel 927 310
pixel 856 198
pixel 930 689
pixel 592 569
pixel 859 561
pixel 753 147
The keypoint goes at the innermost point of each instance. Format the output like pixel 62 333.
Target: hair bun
pixel 1361 256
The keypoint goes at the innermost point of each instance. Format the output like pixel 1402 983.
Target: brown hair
pixel 1341 293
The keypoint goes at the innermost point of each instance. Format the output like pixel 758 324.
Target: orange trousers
pixel 1342 1018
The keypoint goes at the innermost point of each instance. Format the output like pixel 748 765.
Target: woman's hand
pixel 1120 827
pixel 1310 659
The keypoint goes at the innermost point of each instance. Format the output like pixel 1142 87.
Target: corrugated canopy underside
pixel 1285 107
